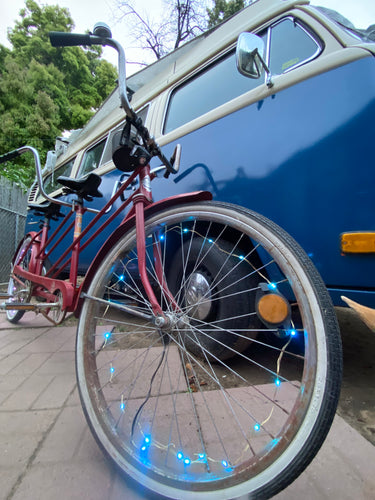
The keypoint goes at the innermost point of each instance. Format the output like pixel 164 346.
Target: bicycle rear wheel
pixel 237 391
pixel 18 288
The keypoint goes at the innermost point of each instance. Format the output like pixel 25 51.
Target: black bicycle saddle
pixel 86 187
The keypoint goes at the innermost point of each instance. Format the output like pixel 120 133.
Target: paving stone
pixel 32 362
pixel 29 320
pixel 26 422
pixel 10 362
pixel 15 345
pixel 73 481
pixel 10 382
pixel 344 469
pixel 48 453
pixel 74 399
pixel 16 449
pixel 8 478
pixel 28 392
pixel 58 363
pixel 48 341
pixel 88 448
pixel 64 438
pixel 20 435
pixel 56 393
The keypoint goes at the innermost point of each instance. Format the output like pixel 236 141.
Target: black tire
pixel 176 422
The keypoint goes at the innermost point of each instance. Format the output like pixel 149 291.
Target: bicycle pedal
pixel 17 306
pixel 27 306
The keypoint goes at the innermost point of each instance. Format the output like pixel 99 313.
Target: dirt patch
pixel 357 400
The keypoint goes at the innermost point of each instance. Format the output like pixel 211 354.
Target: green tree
pixel 223 9
pixel 46 90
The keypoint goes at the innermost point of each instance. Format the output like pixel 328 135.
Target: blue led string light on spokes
pixel 226 465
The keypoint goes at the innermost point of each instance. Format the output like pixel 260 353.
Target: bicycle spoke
pixel 216 391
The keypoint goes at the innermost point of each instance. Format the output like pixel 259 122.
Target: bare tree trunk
pixel 180 21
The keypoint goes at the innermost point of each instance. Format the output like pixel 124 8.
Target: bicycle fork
pixel 141 200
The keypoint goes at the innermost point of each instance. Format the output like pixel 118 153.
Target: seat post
pixel 79 211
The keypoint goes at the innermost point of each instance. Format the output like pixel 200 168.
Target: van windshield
pixel 365 35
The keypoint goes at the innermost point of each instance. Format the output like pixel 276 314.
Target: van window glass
pixel 91 159
pixel 290 46
pixel 217 84
pixel 50 182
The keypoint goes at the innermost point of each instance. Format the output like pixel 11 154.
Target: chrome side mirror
pixel 250 55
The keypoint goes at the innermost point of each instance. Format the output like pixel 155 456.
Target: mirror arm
pixel 269 81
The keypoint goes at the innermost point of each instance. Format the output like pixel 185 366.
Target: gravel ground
pixel 357 401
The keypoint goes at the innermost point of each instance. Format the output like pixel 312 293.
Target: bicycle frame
pixel 48 286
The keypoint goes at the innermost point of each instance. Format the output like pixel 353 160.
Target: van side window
pixel 91 159
pixel 212 87
pixel 290 46
pixel 50 182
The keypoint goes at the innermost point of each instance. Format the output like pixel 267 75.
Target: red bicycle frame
pixel 46 283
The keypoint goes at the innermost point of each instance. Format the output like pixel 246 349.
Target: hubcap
pixel 198 296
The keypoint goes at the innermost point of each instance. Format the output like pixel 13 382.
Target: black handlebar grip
pixel 9 156
pixel 62 39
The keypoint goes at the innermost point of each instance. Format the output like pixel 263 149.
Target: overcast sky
pixel 86 13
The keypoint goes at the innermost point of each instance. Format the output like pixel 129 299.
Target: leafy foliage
pixel 223 9
pixel 45 90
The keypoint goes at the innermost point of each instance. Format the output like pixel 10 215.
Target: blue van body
pixel 298 170
pixel 302 156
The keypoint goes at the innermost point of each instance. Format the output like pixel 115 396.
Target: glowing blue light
pixel 143 448
pixel 112 370
pixel 147 440
pixel 292 333
pixel 257 427
pixel 107 335
pixel 241 257
pixel 187 461
pixel 122 406
pixel 162 237
pixel 272 286
pixel 180 456
pixel 185 230
pixel 121 278
pixel 224 463
pixel 201 456
pixel 278 382
pixel 210 241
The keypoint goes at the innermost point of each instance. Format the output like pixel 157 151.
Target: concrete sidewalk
pixel 48 453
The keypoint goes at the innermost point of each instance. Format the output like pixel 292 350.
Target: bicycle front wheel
pixel 235 393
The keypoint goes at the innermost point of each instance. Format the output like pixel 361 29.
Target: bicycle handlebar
pixel 64 39
pixel 9 156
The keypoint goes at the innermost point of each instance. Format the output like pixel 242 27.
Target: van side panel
pixel 304 157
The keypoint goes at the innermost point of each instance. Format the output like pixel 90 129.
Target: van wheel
pixel 213 286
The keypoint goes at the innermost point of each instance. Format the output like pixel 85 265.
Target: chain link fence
pixel 13 206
